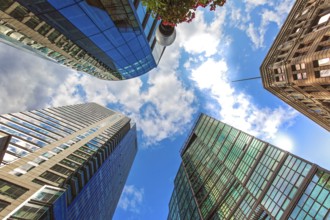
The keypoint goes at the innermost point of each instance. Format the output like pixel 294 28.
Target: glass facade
pixel 96 199
pixel 36 129
pixel 228 174
pixel 110 40
pixel 85 151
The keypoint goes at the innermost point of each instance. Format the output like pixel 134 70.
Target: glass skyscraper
pixel 111 40
pixel 67 162
pixel 228 174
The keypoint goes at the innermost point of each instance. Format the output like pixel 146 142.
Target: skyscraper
pixel 68 162
pixel 297 66
pixel 112 40
pixel 228 174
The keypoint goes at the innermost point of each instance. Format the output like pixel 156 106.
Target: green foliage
pixel 172 12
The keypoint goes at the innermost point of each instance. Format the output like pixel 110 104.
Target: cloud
pixel 161 105
pixel 283 141
pixel 256 23
pixel 26 82
pixel 131 199
pixel 199 36
pixel 159 102
pixel 237 108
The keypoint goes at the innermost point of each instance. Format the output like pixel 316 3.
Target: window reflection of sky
pixel 48 129
pixel 60 129
pixel 17 151
pixel 25 130
pixel 65 126
pixel 99 27
pixel 33 127
pixel 23 144
pixel 9 158
pixel 23 136
pixel 68 116
pixel 58 119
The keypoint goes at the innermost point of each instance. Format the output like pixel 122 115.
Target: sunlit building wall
pixel 67 162
pixel 111 40
pixel 228 174
pixel 297 66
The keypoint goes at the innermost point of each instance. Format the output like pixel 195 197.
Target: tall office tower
pixel 112 40
pixel 297 67
pixel 228 174
pixel 68 162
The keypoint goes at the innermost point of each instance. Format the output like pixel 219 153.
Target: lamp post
pixel 165 34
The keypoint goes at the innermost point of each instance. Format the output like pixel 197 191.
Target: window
pixel 61 170
pixel 56 150
pixel 31 211
pixel 44 29
pixel 280 78
pixel 47 155
pixel 38 160
pixel 52 177
pixel 76 159
pixel 47 195
pixel 300 76
pixel 5 4
pixel 42 183
pixel 69 164
pixel 305 11
pixel 81 154
pixel 324 18
pixel 19 13
pixel 33 22
pixel 11 190
pixel 279 70
pixel 27 167
pixel 299 66
pixel 86 150
pixel 323 62
pixel 285 185
pixel 54 35
pixel 325 73
pixel 315 200
pixel 3 205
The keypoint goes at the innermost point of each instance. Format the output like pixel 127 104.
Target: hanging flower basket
pixel 173 12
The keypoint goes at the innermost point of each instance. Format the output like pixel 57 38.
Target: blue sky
pixel 194 76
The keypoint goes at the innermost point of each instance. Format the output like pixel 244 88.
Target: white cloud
pixel 255 3
pixel 237 108
pixel 283 141
pixel 131 199
pixel 256 38
pixel 27 82
pixel 161 106
pixel 199 37
pixel 255 23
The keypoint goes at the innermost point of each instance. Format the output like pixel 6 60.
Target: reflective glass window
pixel 52 177
pixel 11 190
pixel 3 205
pixel 285 186
pixel 31 211
pixel 315 201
